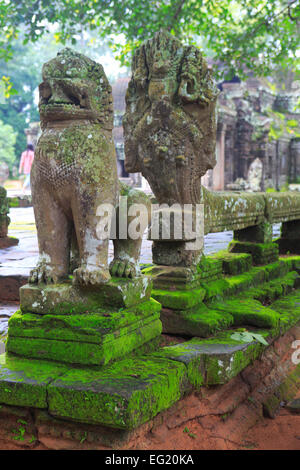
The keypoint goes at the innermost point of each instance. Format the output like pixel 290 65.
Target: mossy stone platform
pixel 127 393
pixel 66 298
pixel 213 306
pixel 84 326
pixel 92 338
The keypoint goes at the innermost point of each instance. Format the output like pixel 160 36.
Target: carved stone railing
pixel 251 216
pixel 239 210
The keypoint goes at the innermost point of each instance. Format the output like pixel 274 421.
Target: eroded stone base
pixel 91 338
pixel 229 416
pixel 241 295
pixel 262 253
pixel 132 391
pixel 66 298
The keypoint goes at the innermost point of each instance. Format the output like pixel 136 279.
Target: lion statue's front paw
pixel 43 274
pixel 90 277
pixel 124 268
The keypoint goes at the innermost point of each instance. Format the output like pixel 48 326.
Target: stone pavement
pixel 22 258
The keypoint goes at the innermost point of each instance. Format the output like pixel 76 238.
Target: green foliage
pixel 248 336
pixel 7 144
pixel 249 34
pixel 18 88
pixel 19 108
pixel 20 432
pixel 281 125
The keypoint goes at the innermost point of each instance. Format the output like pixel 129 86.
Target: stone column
pixel 256 240
pixel 218 171
pixel 289 241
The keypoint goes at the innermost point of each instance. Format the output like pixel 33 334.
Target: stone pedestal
pixel 256 240
pixel 289 241
pixel 181 292
pixel 84 326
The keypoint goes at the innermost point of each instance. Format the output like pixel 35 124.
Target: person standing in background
pixel 25 165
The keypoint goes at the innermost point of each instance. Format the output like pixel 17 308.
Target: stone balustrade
pixel 239 210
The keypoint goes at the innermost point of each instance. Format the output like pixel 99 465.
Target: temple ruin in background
pixel 242 136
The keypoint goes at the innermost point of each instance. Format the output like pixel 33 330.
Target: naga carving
pixel 170 122
pixel 170 130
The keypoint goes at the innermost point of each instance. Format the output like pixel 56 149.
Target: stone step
pixel 125 394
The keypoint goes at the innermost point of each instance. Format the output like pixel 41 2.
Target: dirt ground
pixel 281 433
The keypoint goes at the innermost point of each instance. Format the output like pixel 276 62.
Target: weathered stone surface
pixel 123 395
pixel 85 353
pixel 74 157
pixel 274 289
pixel 173 277
pixel 289 309
pixel 212 361
pixel 179 300
pixel 253 289
pixel 198 321
pixel 91 339
pixel 74 177
pixel 169 127
pixel 232 211
pixel 173 83
pixel 23 382
pixel 282 207
pixel 130 392
pixel 234 263
pixel 241 211
pixel 249 312
pixel 222 417
pixel 66 298
pixel 262 253
pixel 262 233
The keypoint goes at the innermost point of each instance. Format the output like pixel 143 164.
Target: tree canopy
pixel 23 73
pixel 7 143
pixel 255 35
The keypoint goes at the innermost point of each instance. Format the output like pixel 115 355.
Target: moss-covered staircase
pixel 241 298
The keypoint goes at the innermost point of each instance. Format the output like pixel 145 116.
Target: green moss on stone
pixel 249 312
pixel 123 395
pixel 79 352
pixel 23 382
pixel 86 338
pixel 234 263
pixel 198 321
pixel 179 300
pixel 262 253
pixel 289 309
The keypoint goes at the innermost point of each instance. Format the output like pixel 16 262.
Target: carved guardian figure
pixel 170 130
pixel 170 122
pixel 74 172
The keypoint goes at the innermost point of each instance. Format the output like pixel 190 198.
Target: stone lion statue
pixel 74 172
